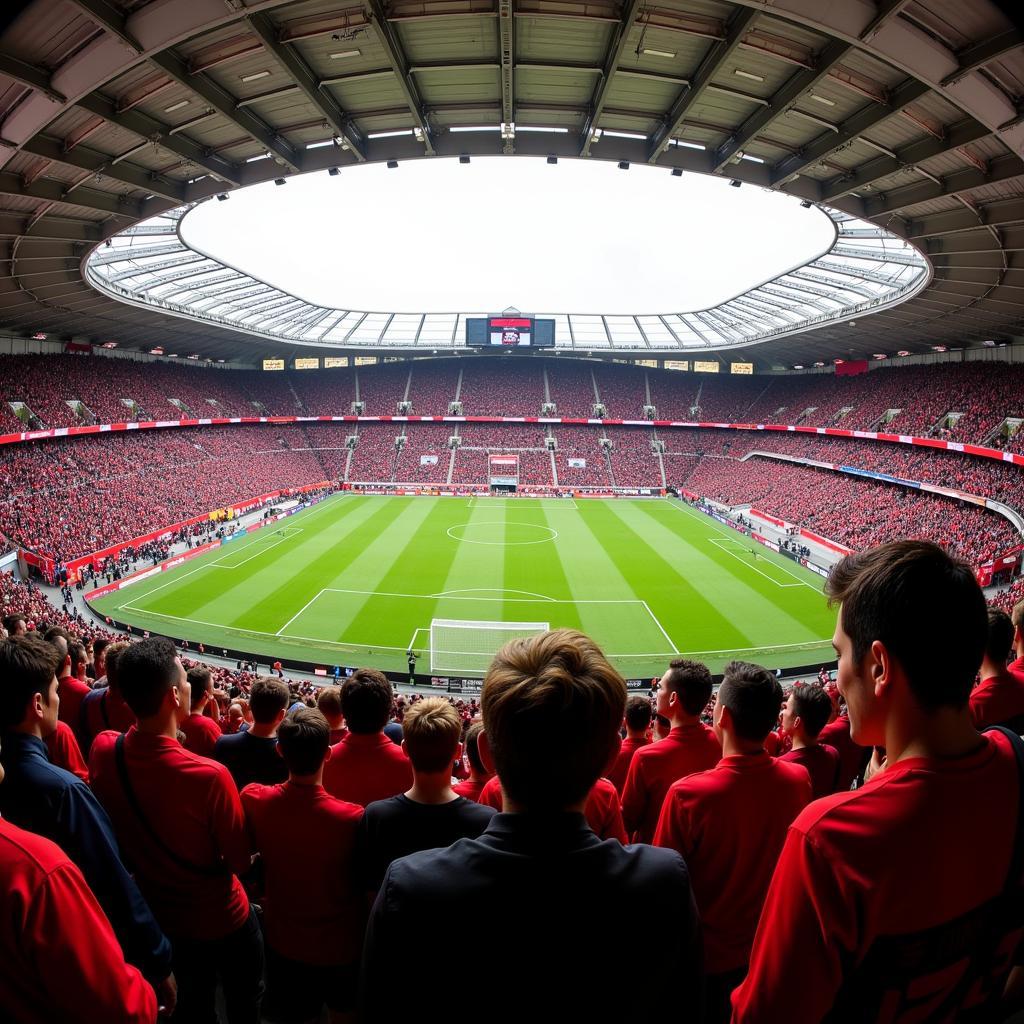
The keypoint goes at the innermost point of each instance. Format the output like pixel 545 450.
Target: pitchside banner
pixel 504 469
pixel 428 460
pixel 577 463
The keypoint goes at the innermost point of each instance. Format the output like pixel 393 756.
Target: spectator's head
pixel 79 658
pixel 16 625
pixel 999 643
pixel 328 702
pixel 200 681
pixel 153 682
pixel 806 712
pixel 476 764
pixel 28 685
pixel 366 701
pixel 1017 618
pixel 99 656
pixel 303 739
pixel 910 637
pixel 552 709
pixel 638 715
pixel 112 655
pixel 61 641
pixel 235 716
pixel 748 705
pixel 268 700
pixel 684 690
pixel 431 731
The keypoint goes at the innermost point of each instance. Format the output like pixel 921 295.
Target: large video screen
pixel 510 331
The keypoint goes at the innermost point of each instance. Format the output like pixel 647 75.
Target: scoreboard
pixel 510 331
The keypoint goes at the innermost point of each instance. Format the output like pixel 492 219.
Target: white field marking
pixel 415 633
pixel 510 600
pixel 721 547
pixel 731 534
pixel 121 607
pixel 260 549
pixel 503 543
pixel 660 626
pixel 298 613
pixel 491 590
pixel 544 504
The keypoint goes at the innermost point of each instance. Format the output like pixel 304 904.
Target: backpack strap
pixel 1017 857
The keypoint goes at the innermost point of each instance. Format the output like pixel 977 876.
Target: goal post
pixel 469 645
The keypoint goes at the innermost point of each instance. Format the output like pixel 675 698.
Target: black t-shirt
pixel 251 759
pixel 399 826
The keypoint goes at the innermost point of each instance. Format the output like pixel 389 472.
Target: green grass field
pixel 358 580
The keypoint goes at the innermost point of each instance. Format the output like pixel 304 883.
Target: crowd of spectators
pixel 373 459
pixel 424 440
pixel 634 464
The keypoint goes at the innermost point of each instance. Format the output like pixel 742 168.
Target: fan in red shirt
pixel 637 722
pixel 105 708
pixel 804 716
pixel 683 693
pixel 366 766
pixel 999 698
pixel 328 702
pixel 201 731
pixel 313 942
pixel 900 901
pixel 70 689
pixel 729 824
pixel 62 749
pixel 479 776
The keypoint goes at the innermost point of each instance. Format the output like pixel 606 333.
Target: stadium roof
pixel 904 115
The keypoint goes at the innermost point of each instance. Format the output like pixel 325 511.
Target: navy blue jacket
pixel 38 796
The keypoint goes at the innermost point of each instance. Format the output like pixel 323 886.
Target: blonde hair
pixel 431 729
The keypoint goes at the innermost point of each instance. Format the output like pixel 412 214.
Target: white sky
pixel 582 236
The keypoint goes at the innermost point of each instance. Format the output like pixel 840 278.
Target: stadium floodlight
pixel 222 197
pixel 459 645
pixel 806 203
pixel 735 182
pixel 463 158
pixel 677 172
pixel 623 165
pixel 332 171
pixel 279 181
pixel 392 164
pixel 552 159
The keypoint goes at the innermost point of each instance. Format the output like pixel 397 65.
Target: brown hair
pixel 112 655
pixel 431 729
pixel 328 700
pixel 303 738
pixel 366 701
pixel 692 681
pixel 552 708
pixel 267 697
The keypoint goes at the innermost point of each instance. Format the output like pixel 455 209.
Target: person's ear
pixel 405 748
pixel 458 752
pixel 327 756
pixel 880 668
pixel 483 748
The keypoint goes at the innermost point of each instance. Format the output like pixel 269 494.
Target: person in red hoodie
pixel 807 710
pixel 729 824
pixel 998 699
pixel 637 722
pixel 201 731
pixel 691 746
pixel 366 766
pixel 901 900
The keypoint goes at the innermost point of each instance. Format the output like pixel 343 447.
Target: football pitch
pixel 358 580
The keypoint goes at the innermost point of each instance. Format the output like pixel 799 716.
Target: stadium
pixel 349 344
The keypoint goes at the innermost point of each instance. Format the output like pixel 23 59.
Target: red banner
pixel 852 368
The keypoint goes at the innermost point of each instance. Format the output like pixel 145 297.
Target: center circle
pixel 500 532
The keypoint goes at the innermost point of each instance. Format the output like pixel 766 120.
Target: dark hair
pixel 552 707
pixel 113 657
pixel 366 701
pixel 201 680
pixel 691 680
pixel 813 706
pixel 28 665
pixel 78 654
pixel 11 621
pixel 924 606
pixel 473 748
pixel 61 640
pixel 1000 636
pixel 753 697
pixel 303 738
pixel 268 698
pixel 145 672
pixel 638 712
pixel 99 645
pixel 1017 616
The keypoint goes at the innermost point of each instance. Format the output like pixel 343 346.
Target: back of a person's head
pixel 200 679
pixel 146 671
pixel 113 656
pixel 328 701
pixel 27 667
pixel 1017 616
pixel 473 748
pixel 14 624
pixel 268 697
pixel 753 697
pixel 303 738
pixel 60 638
pixel 813 706
pixel 924 606
pixel 552 709
pixel 1000 637
pixel 692 681
pixel 638 713
pixel 366 701
pixel 431 730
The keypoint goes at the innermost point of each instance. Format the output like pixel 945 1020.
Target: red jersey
pixel 729 824
pixel 193 805
pixel 774 742
pixel 822 764
pixel 367 767
pixel 852 756
pixel 294 825
pixel 201 734
pixel 618 771
pixel 105 709
pixel 472 788
pixel 601 811
pixel 61 959
pixel 999 700
pixel 879 888
pixel 71 692
pixel 686 749
pixel 62 749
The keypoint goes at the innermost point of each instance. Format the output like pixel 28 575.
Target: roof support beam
pixel 980 54
pixel 323 102
pixel 719 52
pixel 1010 211
pixel 54 192
pixel 620 36
pixel 507 53
pixel 27 74
pixel 779 104
pixel 109 18
pixel 392 46
pixel 887 10
pixel 12 226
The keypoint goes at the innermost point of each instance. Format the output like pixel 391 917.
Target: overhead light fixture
pixel 109 344
pixel 389 134
pixel 344 54
pixel 677 172
pixel 689 145
pixel 463 158
pixel 392 164
pixel 879 355
pixel 39 336
pixel 332 171
pixel 735 182
pixel 938 348
pixel 195 355
pixel 255 76
pixel 176 106
pixel 798 366
pixel 158 351
pixel 475 128
pixel 623 165
pixel 222 197
pixel 806 203
pixel 552 159
pixel 613 134
pixel 253 159
pixel 542 128
pixel 752 159
pixel 748 74
pixel 280 181
pixel 321 144
pixel 903 352
pixel 659 53
pixel 823 99
pixel 819 364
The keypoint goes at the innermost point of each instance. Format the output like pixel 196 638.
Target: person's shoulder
pixel 31 852
pixel 470 810
pixel 389 807
pixel 258 793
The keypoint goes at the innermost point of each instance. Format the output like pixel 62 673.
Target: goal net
pixel 460 645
